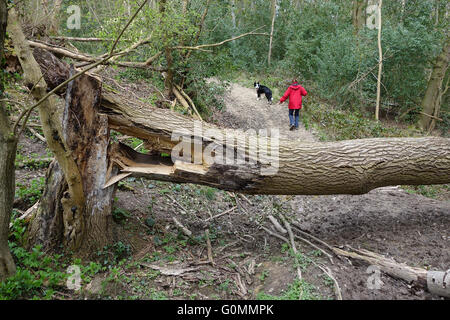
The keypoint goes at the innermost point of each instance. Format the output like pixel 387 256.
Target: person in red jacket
pixel 295 92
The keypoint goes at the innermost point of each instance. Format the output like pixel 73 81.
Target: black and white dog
pixel 260 89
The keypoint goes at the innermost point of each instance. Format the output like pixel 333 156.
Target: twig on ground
pixel 251 267
pixel 275 234
pixel 315 247
pixel 327 271
pixel 208 243
pixel 246 199
pixel 27 213
pixel 177 203
pixel 277 225
pixel 294 248
pixel 241 285
pixel 220 214
pixel 138 146
pixel 228 245
pixel 185 230
pixel 297 228
pixel 35 133
pixel 169 272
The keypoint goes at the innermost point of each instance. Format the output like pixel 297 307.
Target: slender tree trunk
pixel 233 14
pixel 432 100
pixel 437 110
pixel 358 14
pixel 168 80
pixel 403 9
pixel 274 13
pixel 185 6
pixel 380 62
pixel 8 146
pixel 54 19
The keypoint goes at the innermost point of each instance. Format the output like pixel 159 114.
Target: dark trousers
pixel 293 117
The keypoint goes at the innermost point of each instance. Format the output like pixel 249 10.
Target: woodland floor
pixel 409 228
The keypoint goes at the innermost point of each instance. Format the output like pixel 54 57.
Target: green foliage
pixel 225 286
pixel 431 191
pixel 32 193
pixel 333 124
pixel 113 254
pixel 297 290
pixel 315 41
pixel 120 215
pixel 37 275
pixel 264 275
pixel 209 193
pixel 23 283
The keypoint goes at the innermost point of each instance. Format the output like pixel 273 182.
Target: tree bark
pixel 86 134
pixel 358 14
pixel 8 147
pixel 168 79
pixel 380 62
pixel 432 100
pixel 345 167
pixel 75 207
pixel 233 15
pixel 54 19
pixel 274 13
pixel 435 282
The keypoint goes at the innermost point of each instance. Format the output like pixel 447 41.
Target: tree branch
pixel 199 47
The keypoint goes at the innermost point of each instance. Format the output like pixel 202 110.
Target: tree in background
pixel 359 14
pixel 380 60
pixel 436 89
pixel 8 147
pixel 274 14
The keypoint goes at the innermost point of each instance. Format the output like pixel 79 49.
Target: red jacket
pixel 294 93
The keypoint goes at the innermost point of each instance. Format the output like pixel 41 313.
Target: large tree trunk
pixel 431 102
pixel 346 167
pixel 87 135
pixel 75 208
pixel 8 146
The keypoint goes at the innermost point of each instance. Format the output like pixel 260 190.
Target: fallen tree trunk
pixel 436 282
pixel 345 167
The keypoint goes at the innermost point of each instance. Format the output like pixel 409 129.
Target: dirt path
pixel 410 228
pixel 242 103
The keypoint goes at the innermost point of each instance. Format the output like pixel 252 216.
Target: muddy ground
pixel 248 262
pixel 409 228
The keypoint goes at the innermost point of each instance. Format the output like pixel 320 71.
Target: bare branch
pixel 79 39
pixel 199 47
